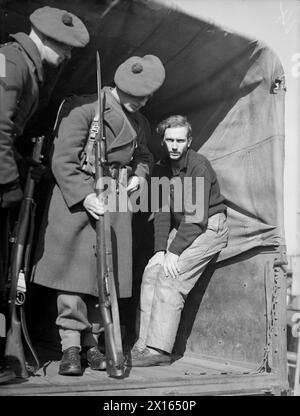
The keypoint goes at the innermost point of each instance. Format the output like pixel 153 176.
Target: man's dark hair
pixel 174 121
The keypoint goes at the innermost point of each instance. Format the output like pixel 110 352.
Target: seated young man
pixel 186 237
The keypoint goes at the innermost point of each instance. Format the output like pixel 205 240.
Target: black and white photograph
pixel 149 201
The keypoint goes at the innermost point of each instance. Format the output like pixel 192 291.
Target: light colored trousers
pixel 78 320
pixel 162 298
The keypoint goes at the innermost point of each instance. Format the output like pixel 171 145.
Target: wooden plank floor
pixel 189 375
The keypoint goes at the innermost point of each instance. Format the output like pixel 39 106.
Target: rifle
pixel 18 273
pixel 105 275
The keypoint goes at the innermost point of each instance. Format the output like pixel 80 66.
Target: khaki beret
pixel 140 76
pixel 61 26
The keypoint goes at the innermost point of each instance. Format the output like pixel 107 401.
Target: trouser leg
pixel 146 299
pixel 168 302
pixel 73 319
pixel 90 336
pixel 170 294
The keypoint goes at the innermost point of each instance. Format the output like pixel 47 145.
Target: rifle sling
pixel 26 271
pixel 27 339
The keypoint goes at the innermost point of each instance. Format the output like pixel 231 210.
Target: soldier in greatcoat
pixel 66 259
pixel 53 34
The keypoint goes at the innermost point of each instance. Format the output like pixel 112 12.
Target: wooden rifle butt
pixel 114 359
pixel 14 352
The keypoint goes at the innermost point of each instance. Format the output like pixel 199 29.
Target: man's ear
pixel 189 141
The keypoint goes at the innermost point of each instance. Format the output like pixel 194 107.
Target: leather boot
pixel 96 360
pixel 70 364
pixel 146 358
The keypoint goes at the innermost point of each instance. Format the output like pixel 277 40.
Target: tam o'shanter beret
pixel 61 26
pixel 140 76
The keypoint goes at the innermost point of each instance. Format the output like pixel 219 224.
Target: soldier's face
pixel 176 142
pixel 131 103
pixel 55 53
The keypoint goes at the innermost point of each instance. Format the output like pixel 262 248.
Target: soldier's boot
pixel 95 359
pixel 71 362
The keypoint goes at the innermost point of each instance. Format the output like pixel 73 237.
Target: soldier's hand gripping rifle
pixel 105 275
pixel 18 271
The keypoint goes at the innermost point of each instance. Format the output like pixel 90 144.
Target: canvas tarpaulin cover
pixel 230 87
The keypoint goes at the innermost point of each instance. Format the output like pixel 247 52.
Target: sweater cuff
pixel 175 248
pixel 160 246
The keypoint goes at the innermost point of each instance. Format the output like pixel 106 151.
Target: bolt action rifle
pixel 108 301
pixel 18 275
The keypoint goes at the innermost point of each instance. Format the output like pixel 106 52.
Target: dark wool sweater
pixel 193 165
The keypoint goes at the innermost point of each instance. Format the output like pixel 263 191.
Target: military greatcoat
pixel 21 74
pixel 20 79
pixel 65 258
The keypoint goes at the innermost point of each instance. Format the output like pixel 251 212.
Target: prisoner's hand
pixel 171 268
pixel 158 258
pixel 94 206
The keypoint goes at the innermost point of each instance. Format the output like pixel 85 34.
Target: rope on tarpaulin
pixel 271 313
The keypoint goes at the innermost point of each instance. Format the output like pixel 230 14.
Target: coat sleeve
pixel 11 90
pixel 191 226
pixel 142 158
pixel 162 217
pixel 73 131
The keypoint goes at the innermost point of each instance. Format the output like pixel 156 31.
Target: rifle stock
pixel 14 352
pixel 107 294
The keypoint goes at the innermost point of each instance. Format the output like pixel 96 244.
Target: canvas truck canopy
pixel 230 87
pixel 232 335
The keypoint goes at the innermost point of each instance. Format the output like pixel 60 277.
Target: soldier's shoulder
pixel 12 51
pixel 14 66
pixel 78 101
pixel 74 108
pixel 7 47
pixel 83 109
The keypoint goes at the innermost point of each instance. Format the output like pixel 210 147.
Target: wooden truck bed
pixel 191 375
pixel 232 338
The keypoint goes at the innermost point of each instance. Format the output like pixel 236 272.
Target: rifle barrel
pixel 114 353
